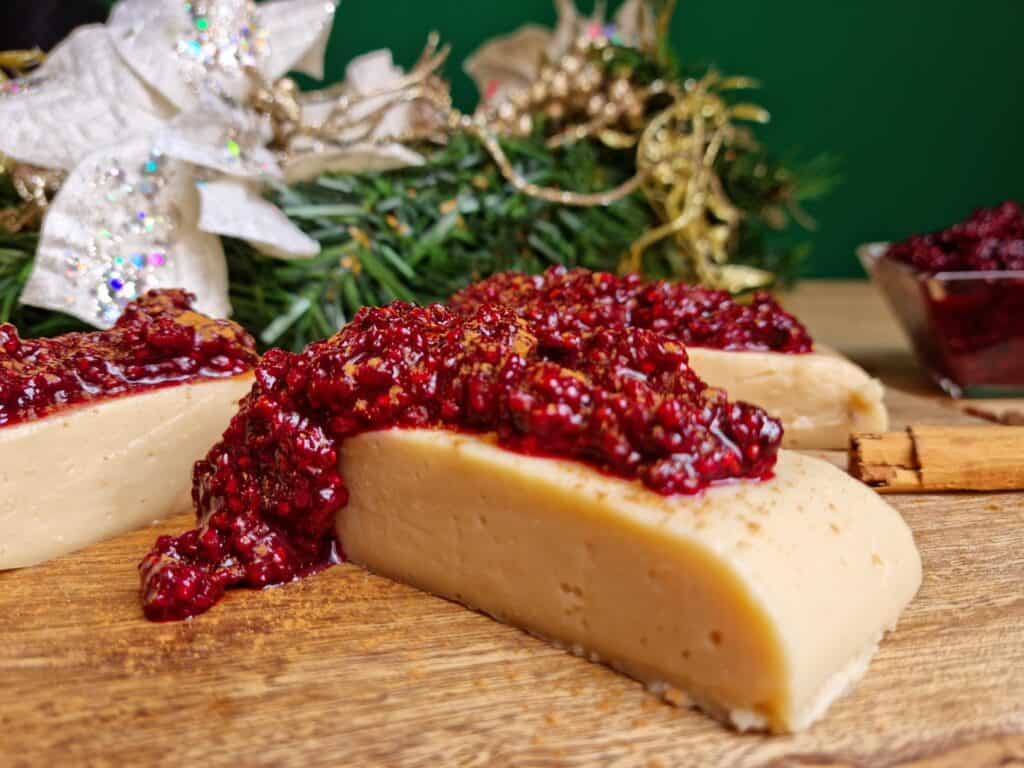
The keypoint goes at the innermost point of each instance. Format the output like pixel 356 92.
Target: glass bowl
pixel 967 328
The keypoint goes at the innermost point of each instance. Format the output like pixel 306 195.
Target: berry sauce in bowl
pixel 959 294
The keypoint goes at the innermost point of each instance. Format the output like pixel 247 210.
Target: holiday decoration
pixel 185 157
pixel 157 121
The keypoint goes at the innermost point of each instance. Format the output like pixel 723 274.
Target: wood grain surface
pixel 350 669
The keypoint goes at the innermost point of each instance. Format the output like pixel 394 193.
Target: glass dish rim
pixel 870 253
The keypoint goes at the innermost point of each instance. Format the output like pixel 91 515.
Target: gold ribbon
pixel 15 64
pixel 283 103
pixel 676 156
pixel 31 184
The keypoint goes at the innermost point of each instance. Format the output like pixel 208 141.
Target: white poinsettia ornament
pixel 155 119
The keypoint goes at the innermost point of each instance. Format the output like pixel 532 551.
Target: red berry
pixel 991 239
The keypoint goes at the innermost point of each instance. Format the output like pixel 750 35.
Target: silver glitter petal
pixel 220 137
pixel 95 256
pixel 88 99
pixel 182 49
pixel 235 209
pixel 298 32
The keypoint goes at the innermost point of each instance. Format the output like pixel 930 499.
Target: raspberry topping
pixel 991 239
pixel 622 399
pixel 561 303
pixel 158 341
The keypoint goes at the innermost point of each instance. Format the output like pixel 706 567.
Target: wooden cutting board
pixel 350 669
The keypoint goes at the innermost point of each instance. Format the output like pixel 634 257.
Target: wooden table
pixel 351 669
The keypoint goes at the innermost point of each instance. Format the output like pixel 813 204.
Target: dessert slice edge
pixel 95 470
pixel 762 601
pixel 820 397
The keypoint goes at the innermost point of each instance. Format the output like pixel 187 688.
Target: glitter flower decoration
pixel 150 117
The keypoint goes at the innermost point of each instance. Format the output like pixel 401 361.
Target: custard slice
pixel 763 602
pixel 99 431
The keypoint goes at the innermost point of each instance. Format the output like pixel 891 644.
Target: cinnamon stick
pixel 927 459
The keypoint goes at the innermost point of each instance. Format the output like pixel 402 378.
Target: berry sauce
pixel 620 398
pixel 992 239
pixel 966 324
pixel 561 303
pixel 157 342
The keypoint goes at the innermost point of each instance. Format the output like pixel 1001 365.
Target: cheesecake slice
pixel 761 602
pixel 756 352
pixel 594 491
pixel 99 431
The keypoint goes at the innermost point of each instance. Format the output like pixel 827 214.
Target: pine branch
pixel 418 234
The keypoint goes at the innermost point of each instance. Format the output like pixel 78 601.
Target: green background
pixel 922 100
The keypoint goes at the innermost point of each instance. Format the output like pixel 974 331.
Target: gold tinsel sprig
pixel 33 185
pixel 15 64
pixel 578 96
pixel 582 96
pixel 676 157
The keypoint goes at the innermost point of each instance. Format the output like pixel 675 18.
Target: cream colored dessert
pixel 820 397
pixel 762 601
pixel 87 473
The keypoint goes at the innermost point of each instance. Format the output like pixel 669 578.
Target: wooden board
pixel 351 669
